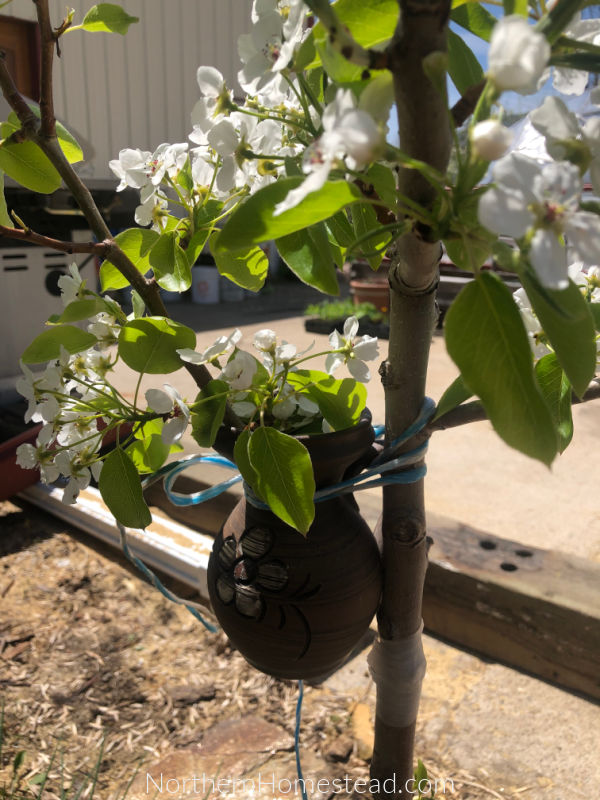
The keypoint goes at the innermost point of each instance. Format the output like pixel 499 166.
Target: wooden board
pixel 538 610
pixel 533 609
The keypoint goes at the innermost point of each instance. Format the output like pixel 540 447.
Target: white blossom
pixel 220 347
pixel 270 45
pixel 490 139
pixel 239 370
pixel 351 351
pixel 213 104
pixel 175 427
pixel 517 56
pixel 574 81
pixel 130 168
pixel 542 202
pixel 532 324
pixel 265 339
pixel 159 401
pixel 285 403
pixel 564 135
pixel 350 137
pixel 105 328
pixel 71 286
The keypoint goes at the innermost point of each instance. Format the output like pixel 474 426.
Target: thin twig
pixel 475 412
pixel 48 129
pixel 464 107
pixel 342 40
pixel 27 235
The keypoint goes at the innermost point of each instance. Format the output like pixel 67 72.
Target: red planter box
pixel 13 479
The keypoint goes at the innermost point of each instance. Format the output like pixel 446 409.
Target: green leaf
pixel 505 256
pixel 371 23
pixel 515 7
pixel 475 19
pixel 242 460
pixel 46 346
pixel 463 66
pixel 170 264
pixel 136 243
pixel 247 268
pixel 595 311
pixel 26 164
pixel 486 338
pixel 18 761
pixel 209 411
pixel 454 395
pixel 367 228
pixel 556 390
pixel 554 21
pixel 589 62
pixel 121 490
pixel 254 220
pixel 471 244
pixel 106 18
pixel 148 454
pixel 138 306
pixel 196 246
pixel 420 772
pixel 150 344
pixel 308 254
pixel 68 143
pixel 285 476
pixel 383 180
pixel 4 217
pixel 341 402
pixel 82 309
pixel 567 322
pixel 207 213
pixel 340 227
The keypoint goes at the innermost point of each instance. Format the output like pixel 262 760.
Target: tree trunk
pixel 424 134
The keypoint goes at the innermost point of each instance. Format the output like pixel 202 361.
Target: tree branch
pixel 342 40
pixel 48 129
pixel 475 412
pixel 27 235
pixel 464 107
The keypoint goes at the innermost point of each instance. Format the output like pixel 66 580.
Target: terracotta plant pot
pixel 295 607
pixel 375 292
pixel 367 286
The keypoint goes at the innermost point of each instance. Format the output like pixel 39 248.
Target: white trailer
pixel 111 92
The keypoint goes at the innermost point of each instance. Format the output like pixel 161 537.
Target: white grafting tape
pixel 398 668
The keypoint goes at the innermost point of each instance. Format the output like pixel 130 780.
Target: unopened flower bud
pixel 518 55
pixel 490 140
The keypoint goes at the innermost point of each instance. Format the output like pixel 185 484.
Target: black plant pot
pixel 296 607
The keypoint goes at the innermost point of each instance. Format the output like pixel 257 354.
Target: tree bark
pixel 424 134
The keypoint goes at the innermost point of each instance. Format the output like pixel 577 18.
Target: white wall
pixel 138 90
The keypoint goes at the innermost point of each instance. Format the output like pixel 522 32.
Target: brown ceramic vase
pixel 295 607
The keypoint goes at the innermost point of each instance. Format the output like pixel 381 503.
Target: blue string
pixel 297 739
pixel 158 585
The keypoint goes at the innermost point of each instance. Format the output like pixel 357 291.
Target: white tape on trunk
pixel 398 668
